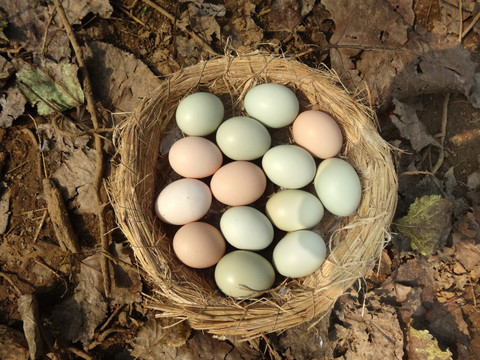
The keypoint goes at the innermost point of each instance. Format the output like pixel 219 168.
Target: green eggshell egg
pixel 243 274
pixel 243 138
pixel 274 105
pixel 338 186
pixel 299 253
pixel 246 228
pixel 199 114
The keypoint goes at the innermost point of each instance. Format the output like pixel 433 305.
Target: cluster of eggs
pixel 226 169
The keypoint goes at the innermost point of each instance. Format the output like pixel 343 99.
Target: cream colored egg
pixel 291 210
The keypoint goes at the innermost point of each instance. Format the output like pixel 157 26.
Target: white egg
pixel 291 210
pixel 199 114
pixel 246 228
pixel 299 253
pixel 183 201
pixel 243 274
pixel 274 105
pixel 289 166
pixel 338 186
pixel 243 138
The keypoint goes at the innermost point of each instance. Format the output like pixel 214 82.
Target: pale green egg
pixel 243 274
pixel 289 166
pixel 291 210
pixel 299 253
pixel 199 114
pixel 243 138
pixel 274 105
pixel 338 186
pixel 246 228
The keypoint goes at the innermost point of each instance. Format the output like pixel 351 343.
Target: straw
pixel 355 242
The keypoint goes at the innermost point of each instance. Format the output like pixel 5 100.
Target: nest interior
pixel 354 242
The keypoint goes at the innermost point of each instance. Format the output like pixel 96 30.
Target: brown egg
pixel 199 245
pixel 238 183
pixel 318 133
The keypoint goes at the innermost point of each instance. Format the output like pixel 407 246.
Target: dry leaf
pixel 284 15
pixel 12 105
pixel 117 75
pixel 6 70
pixel 13 345
pixel 427 223
pixel 411 128
pixel 393 60
pixel 4 211
pixel 28 309
pixel 468 254
pixel 423 346
pixel 78 9
pixel 28 22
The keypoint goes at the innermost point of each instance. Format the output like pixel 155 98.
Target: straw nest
pixel 354 243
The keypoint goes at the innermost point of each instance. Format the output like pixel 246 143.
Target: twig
pixel 460 20
pixel 40 262
pixel 97 182
pixel 111 317
pixel 441 157
pixel 44 216
pixel 79 133
pixel 11 282
pixel 181 27
pixel 131 16
pixel 46 31
pixel 471 25
pixel 80 353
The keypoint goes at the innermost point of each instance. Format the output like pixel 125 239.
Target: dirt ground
pixel 415 303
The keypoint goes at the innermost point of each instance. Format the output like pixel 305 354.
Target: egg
pixel 317 132
pixel 289 166
pixel 243 138
pixel 338 186
pixel 199 245
pixel 183 201
pixel 243 274
pixel 238 183
pixel 274 105
pixel 291 210
pixel 299 253
pixel 199 114
pixel 195 157
pixel 246 228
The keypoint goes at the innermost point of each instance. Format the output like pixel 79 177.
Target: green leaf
pixel 52 83
pixel 422 345
pixel 427 223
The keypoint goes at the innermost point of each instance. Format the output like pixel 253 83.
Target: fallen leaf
pixel 467 254
pixel 28 309
pixel 423 346
pixel 4 211
pixel 117 73
pixel 13 345
pixel 411 128
pixel 12 104
pixel 49 81
pixel 27 25
pixel 446 322
pixel 427 223
pixel 75 176
pixel 284 15
pixel 244 33
pixel 77 317
pixel 391 58
pixel 3 25
pixel 6 70
pixel 405 9
pixel 77 10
